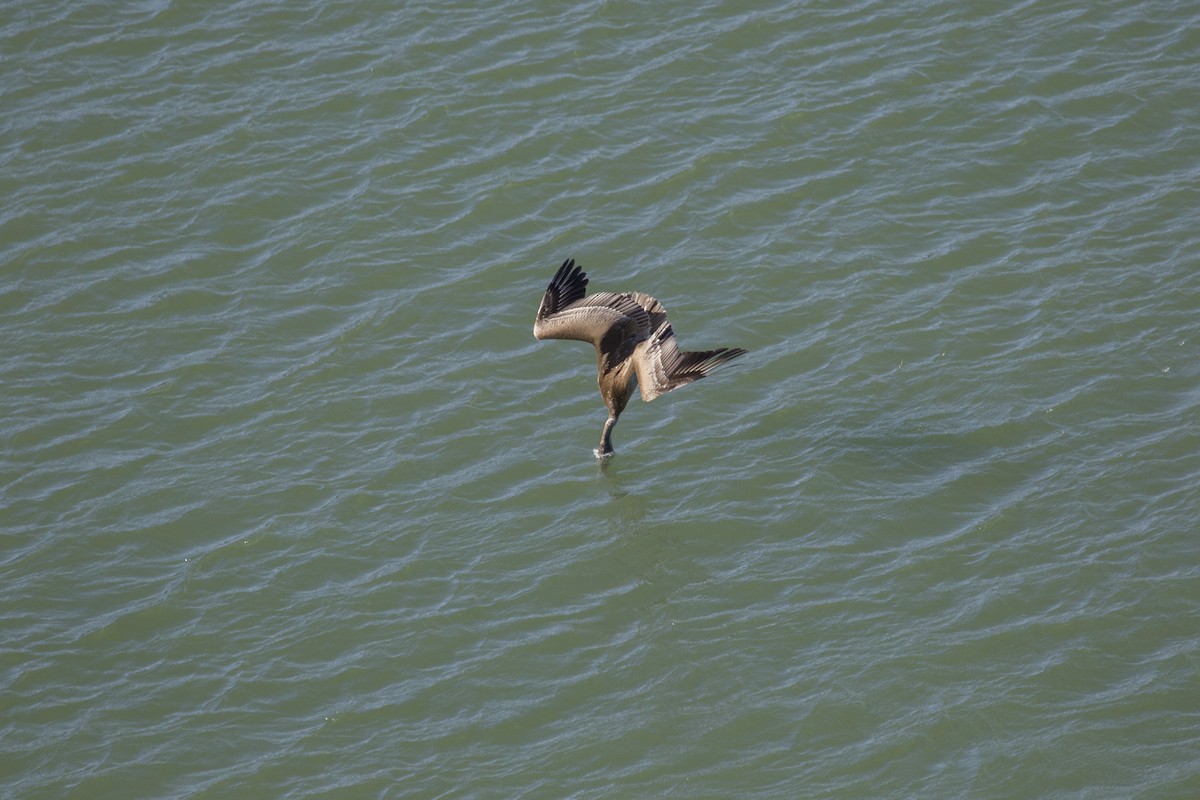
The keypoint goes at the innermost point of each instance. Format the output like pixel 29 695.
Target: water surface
pixel 294 505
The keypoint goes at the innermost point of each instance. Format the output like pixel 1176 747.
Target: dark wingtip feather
pixel 696 364
pixel 568 285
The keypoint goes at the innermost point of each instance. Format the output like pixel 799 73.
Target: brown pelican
pixel 634 342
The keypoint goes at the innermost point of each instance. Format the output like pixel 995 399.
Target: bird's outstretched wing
pixel 661 366
pixel 612 322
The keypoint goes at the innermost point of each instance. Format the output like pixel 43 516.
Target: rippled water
pixel 294 505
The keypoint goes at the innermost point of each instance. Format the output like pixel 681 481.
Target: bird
pixel 635 343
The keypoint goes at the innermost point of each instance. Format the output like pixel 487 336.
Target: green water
pixel 292 504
